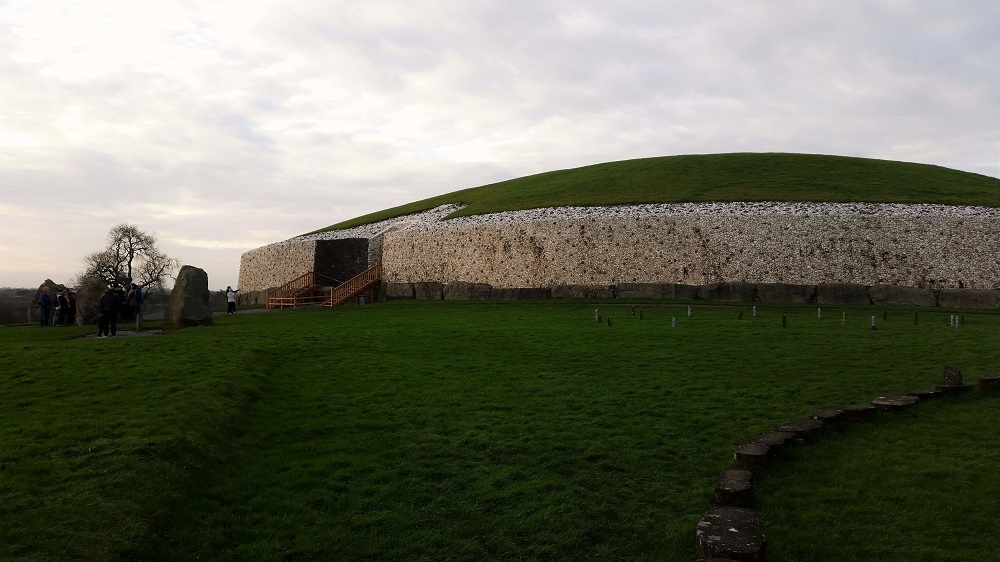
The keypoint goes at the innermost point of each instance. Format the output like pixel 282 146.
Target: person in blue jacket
pixel 45 306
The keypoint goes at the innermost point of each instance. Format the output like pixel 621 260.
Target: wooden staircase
pixel 305 290
pixel 310 289
pixel 362 283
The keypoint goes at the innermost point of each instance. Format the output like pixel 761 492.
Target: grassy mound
pixel 718 177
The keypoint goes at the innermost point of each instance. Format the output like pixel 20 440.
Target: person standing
pixel 107 323
pixel 128 308
pixel 44 307
pixel 139 297
pixel 71 313
pixel 230 300
pixel 62 307
pixel 120 291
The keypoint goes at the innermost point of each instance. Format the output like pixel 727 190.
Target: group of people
pixel 118 304
pixel 65 307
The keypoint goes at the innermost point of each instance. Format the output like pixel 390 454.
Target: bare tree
pixel 130 257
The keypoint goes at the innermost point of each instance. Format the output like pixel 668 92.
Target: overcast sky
pixel 225 126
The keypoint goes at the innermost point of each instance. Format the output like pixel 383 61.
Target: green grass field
pixel 488 431
pixel 718 177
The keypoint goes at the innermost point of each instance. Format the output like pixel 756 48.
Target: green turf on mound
pixel 718 177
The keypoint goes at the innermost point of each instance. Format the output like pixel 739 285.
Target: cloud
pixel 224 124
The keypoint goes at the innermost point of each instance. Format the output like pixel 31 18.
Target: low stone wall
pixel 730 530
pixel 921 252
pixel 838 293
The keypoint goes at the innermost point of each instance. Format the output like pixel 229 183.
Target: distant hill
pixel 718 177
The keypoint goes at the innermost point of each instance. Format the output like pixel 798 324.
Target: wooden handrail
pixel 355 285
pixel 301 282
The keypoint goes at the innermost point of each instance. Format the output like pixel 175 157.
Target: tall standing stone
pixel 189 301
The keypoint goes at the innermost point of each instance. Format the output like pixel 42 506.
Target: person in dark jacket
pixel 107 322
pixel 44 307
pixel 71 312
pixel 62 307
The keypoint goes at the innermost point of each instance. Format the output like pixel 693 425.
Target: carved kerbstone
pixel 751 456
pixel 804 430
pixel 990 383
pixel 776 441
pixel 857 412
pixel 926 393
pixel 831 417
pixel 731 533
pixel 894 403
pixel 734 488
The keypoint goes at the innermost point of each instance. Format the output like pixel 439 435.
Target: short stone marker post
pixel 731 533
pixel 873 322
pixel 689 312
pixel 633 310
pixel 831 417
pixel 805 430
pixel 776 441
pixel 990 383
pixel 734 488
pixel 755 311
pixel 843 318
pixel 597 315
pixel 819 313
pixel 751 456
pixel 673 321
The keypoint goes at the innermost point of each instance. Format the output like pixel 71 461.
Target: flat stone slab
pixel 926 393
pixel 990 383
pixel 829 416
pixel 894 403
pixel 731 533
pixel 953 389
pixel 734 488
pixel 776 441
pixel 804 430
pixel 858 412
pixel 751 456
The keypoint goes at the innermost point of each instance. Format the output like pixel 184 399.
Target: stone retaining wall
pixel 275 264
pixel 924 252
pixel 918 255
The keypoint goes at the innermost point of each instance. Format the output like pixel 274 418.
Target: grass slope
pixel 478 431
pixel 718 177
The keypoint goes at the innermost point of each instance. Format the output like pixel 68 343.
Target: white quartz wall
pixel 917 250
pixel 276 264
